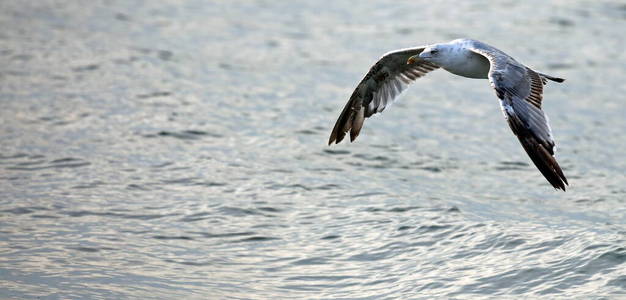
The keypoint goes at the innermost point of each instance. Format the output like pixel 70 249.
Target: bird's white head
pixel 437 54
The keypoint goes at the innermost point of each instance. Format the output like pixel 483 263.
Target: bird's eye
pixel 434 51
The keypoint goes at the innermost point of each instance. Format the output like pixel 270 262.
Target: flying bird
pixel 518 87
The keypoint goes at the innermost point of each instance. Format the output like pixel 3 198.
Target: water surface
pixel 168 149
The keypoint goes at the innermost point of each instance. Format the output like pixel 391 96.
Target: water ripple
pixel 178 150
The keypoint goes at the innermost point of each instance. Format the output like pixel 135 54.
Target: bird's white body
pixel 457 59
pixel 468 64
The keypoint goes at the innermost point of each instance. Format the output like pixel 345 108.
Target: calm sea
pixel 177 149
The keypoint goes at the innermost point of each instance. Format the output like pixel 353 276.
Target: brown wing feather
pixel 536 88
pixel 540 151
pixel 380 86
pixel 531 128
pixel 540 155
pixel 520 90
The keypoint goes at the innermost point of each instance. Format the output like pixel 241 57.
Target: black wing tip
pixel 544 161
pixel 561 186
pixel 564 181
pixel 337 139
pixel 334 139
pixel 551 171
pixel 554 177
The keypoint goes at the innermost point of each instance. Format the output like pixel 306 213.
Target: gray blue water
pixel 177 149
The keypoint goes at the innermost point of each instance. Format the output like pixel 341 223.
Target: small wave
pixel 25 210
pixel 258 239
pixel 311 261
pixel 85 68
pixel 175 237
pixel 336 152
pixel 84 213
pixel 154 95
pixel 184 134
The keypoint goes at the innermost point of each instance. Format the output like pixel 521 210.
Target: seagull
pixel 518 87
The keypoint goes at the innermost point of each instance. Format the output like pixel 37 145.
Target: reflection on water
pixel 177 149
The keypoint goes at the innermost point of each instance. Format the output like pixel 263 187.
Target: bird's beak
pixel 412 59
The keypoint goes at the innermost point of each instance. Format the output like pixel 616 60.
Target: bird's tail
pixel 555 79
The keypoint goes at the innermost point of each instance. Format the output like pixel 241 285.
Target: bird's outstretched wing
pixel 520 91
pixel 381 85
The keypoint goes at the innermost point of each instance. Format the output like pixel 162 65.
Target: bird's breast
pixel 468 64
